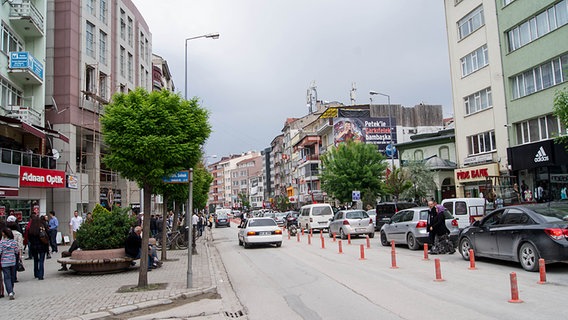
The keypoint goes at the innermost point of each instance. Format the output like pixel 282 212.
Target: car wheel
pixel 246 245
pixel 330 233
pixel 384 241
pixel 464 247
pixel 411 242
pixel 528 257
pixel 342 234
pixel 279 244
pixel 240 242
pixel 371 235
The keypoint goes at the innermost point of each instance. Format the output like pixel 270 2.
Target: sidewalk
pixel 67 295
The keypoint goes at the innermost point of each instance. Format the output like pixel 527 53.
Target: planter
pixel 98 261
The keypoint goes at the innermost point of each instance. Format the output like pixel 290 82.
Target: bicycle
pixel 177 238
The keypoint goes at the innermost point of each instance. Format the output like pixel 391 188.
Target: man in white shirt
pixel 75 223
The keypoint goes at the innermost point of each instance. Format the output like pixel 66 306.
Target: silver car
pixel 353 222
pixel 409 227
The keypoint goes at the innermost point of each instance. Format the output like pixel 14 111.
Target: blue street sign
pixel 178 177
pixel 356 195
pixel 390 150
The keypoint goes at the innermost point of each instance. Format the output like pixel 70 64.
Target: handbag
pixel 43 236
pixel 20 266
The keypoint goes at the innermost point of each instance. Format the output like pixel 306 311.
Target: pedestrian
pixel 441 232
pixel 199 225
pixel 133 246
pixel 53 225
pixel 45 218
pixel 153 226
pixel 89 217
pixel 13 225
pixel 75 224
pixel 2 225
pixel 36 246
pixel 26 240
pixel 8 252
pixel 431 216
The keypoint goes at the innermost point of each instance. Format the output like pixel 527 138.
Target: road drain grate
pixel 234 314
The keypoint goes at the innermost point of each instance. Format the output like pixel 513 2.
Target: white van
pixel 465 210
pixel 315 216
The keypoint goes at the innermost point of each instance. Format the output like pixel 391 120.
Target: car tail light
pixel 311 220
pixel 454 223
pixel 421 224
pixel 278 231
pixel 471 219
pixel 345 222
pixel 556 233
pixel 371 221
pixel 251 233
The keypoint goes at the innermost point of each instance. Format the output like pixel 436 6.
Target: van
pixel 315 216
pixel 385 211
pixel 465 210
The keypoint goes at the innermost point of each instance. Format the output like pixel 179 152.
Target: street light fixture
pixel 210 36
pixel 372 93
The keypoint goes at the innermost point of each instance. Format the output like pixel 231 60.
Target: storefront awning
pixel 37 131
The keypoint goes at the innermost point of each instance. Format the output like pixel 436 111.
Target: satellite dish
pixel 56 154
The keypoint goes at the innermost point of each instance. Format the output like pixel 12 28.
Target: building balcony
pixel 28 159
pixel 26 18
pixel 24 114
pixel 25 68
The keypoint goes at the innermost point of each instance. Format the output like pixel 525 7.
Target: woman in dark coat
pixel 37 248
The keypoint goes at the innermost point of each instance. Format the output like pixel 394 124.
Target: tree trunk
pixel 143 274
pixel 175 224
pixel 163 232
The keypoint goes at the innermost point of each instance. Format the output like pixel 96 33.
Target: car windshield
pixel 269 215
pixel 221 216
pixel 261 223
pixel 357 215
pixel 552 214
pixel 281 214
pixel 322 211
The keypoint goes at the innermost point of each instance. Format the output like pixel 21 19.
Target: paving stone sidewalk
pixel 67 295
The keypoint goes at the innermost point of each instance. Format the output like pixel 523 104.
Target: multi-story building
pixel 534 52
pixel 94 49
pixel 161 75
pixel 480 111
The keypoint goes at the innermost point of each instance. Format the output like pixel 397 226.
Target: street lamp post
pixel 372 93
pixel 210 36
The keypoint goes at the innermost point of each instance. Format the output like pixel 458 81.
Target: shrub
pixel 108 230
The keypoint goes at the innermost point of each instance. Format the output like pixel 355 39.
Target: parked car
pixel 315 216
pixel 280 218
pixel 260 231
pixel 353 222
pixel 291 218
pixel 222 220
pixel 269 214
pixel 522 233
pixel 373 215
pixel 409 227
pixel 465 210
pixel 385 211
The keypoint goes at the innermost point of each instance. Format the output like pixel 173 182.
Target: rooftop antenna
pixel 352 92
pixel 55 106
pixel 312 97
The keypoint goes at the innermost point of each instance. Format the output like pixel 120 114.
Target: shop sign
pixel 72 181
pixel 41 178
pixel 8 192
pixel 478 159
pixel 476 173
pixel 534 155
pixel 559 178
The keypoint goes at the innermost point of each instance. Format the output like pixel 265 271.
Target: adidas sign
pixel 541 156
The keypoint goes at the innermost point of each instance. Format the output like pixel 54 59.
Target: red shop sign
pixel 41 178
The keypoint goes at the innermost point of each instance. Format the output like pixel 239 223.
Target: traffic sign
pixel 178 177
pixel 356 195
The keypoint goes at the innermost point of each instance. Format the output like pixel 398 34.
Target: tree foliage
pixel 108 229
pixel 422 180
pixel 149 136
pixel 244 200
pixel 352 166
pixel 397 182
pixel 201 181
pixel 561 111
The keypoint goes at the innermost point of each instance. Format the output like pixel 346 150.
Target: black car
pixel 291 218
pixel 222 220
pixel 385 211
pixel 522 233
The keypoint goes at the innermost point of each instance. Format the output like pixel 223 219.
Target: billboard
pixel 375 131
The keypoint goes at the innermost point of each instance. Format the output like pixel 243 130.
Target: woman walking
pixel 8 250
pixel 19 238
pixel 36 246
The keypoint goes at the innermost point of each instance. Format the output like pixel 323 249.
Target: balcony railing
pixel 24 114
pixel 27 18
pixel 28 159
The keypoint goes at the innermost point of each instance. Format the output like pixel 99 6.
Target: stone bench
pixel 97 261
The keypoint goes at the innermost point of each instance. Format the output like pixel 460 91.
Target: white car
pixel 260 231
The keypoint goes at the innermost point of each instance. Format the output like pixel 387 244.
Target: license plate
pixel 360 229
pixel 222 220
pixel 265 233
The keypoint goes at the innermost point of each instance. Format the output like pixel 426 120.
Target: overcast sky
pixel 269 52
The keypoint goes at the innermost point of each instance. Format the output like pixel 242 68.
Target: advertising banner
pixel 378 131
pixel 41 178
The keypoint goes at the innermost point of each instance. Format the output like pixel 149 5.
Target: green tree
pixel 397 182
pixel 422 180
pixel 244 199
pixel 282 203
pixel 561 111
pixel 201 182
pixel 149 136
pixel 352 166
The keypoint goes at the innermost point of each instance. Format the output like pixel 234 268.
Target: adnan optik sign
pixel 41 178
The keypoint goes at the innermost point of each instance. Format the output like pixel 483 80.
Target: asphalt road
pixel 302 281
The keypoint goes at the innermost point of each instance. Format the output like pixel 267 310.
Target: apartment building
pixel 480 110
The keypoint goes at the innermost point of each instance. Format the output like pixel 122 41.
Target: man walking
pixel 53 225
pixel 75 223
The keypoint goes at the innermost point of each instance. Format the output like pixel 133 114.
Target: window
pixel 481 143
pixel 444 153
pixel 478 101
pixel 103 86
pixel 475 61
pixel 471 22
pixel 103 47
pixel 90 39
pixel 103 11
pixel 541 77
pixel 9 42
pixel 122 60
pixel 506 2
pixel 142 47
pixel 418 155
pixel 9 95
pixel 122 25
pixel 130 35
pixel 538 26
pixel 90 79
pixel 91 7
pixel 130 66
pixel 537 129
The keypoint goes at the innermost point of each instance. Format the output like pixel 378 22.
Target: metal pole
pixel 189 226
pixel 390 128
pixel 185 79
